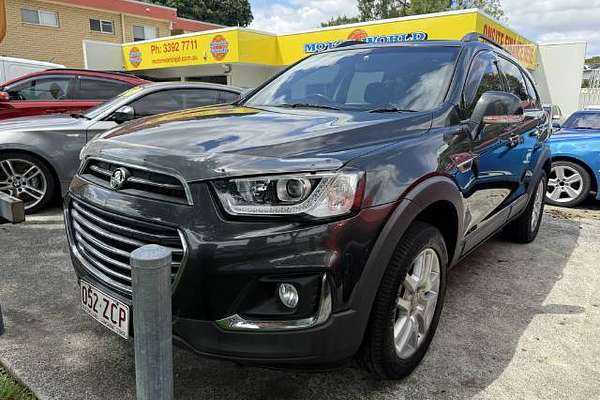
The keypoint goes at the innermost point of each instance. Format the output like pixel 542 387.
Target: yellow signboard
pixel 236 45
pixel 180 51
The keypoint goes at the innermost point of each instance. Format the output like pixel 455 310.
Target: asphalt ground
pixel 520 322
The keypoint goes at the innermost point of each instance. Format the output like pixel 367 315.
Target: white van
pixel 11 68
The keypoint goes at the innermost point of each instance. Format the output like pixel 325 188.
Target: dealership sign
pixel 361 35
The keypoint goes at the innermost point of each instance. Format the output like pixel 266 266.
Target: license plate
pixel 105 309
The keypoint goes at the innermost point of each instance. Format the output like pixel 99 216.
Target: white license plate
pixel 105 309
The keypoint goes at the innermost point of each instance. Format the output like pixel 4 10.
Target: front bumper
pixel 227 261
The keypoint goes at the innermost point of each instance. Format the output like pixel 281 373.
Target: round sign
pixel 135 56
pixel 219 47
pixel 357 34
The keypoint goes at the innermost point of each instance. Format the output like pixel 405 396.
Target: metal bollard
pixel 153 337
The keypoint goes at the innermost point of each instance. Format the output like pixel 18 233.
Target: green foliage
pixel 223 12
pixel 492 7
pixel 370 10
pixel 593 60
pixel 11 390
pixel 340 21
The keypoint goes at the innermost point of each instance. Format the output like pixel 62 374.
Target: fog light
pixel 288 295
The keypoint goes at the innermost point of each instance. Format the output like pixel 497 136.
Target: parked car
pixel 61 91
pixel 39 155
pixel 317 218
pixel 575 160
pixel 556 115
pixel 12 68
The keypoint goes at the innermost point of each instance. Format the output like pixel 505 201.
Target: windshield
pixel 103 107
pixel 393 78
pixel 583 121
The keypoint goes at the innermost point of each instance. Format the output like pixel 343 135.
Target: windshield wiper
pixel 390 110
pixel 307 105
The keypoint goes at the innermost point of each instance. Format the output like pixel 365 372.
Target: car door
pixel 47 94
pixel 484 173
pixel 523 136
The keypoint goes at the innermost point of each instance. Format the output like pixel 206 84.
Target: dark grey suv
pixel 316 219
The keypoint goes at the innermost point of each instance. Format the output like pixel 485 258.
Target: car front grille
pixel 140 181
pixel 105 241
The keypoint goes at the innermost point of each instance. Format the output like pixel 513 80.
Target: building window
pixel 100 25
pixel 144 32
pixel 39 17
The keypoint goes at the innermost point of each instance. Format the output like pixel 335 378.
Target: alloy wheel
pixel 416 302
pixel 538 201
pixel 565 184
pixel 24 180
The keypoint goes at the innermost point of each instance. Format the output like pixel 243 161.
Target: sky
pixel 539 20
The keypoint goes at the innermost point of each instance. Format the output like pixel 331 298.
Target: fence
pixel 590 94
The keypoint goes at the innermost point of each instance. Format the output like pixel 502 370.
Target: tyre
pixel 568 185
pixel 525 228
pixel 407 305
pixel 28 178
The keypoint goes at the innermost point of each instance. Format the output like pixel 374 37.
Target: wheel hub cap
pixel 24 180
pixel 565 184
pixel 416 303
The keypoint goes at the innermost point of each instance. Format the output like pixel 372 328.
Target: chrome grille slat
pixel 150 237
pixel 88 237
pixel 105 241
pixel 141 181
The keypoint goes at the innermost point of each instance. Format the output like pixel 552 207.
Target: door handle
pixel 514 140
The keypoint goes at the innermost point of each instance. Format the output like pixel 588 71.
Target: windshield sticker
pixel 359 34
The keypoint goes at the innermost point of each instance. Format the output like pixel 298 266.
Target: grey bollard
pixel 153 337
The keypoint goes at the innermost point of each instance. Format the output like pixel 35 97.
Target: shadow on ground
pixel 492 298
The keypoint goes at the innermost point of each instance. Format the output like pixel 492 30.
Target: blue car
pixel 575 160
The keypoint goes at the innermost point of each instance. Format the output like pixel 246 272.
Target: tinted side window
pixel 483 77
pixel 42 89
pixel 100 89
pixel 173 100
pixel 514 79
pixel 534 98
pixel 190 98
pixel 228 97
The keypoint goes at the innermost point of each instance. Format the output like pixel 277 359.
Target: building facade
pixel 55 30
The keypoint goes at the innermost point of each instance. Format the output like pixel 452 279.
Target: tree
pixel 491 7
pixel 592 60
pixel 369 10
pixel 340 21
pixel 223 12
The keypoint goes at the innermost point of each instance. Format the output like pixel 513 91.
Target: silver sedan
pixel 40 155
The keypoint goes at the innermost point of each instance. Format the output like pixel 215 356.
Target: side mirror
pixel 4 96
pixel 555 125
pixel 497 108
pixel 123 114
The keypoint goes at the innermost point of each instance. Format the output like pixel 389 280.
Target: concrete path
pixel 520 322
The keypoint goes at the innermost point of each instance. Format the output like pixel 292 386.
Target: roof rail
pixel 476 36
pixel 349 43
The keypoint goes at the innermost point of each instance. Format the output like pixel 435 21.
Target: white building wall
pixel 559 74
pixel 102 56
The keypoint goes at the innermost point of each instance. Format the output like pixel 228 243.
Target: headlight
pixel 320 195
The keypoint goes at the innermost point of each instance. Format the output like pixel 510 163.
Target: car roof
pixel 471 40
pixel 190 85
pixel 84 72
